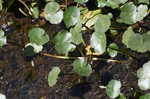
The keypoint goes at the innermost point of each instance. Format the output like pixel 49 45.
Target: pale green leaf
pixel 146 96
pixel 71 16
pixel 76 33
pixel 144 1
pixel 98 39
pixel 81 67
pixel 53 13
pixel 130 14
pixel 143 74
pixel 131 40
pixel 35 12
pixel 3 39
pixel 38 36
pixel 81 1
pixel 113 88
pixel 98 42
pixel 111 51
pixel 63 42
pixel 103 23
pixel 110 3
pixel 53 76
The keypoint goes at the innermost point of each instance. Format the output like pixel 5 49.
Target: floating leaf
pixel 113 88
pixel 53 13
pixel 76 33
pixel 146 96
pixel 110 3
pixel 35 12
pixel 37 48
pixel 81 67
pixel 130 14
pixel 81 1
pixel 131 40
pixel 53 76
pixel 143 1
pixel 111 52
pixel 63 42
pixel 3 38
pixel 144 76
pixel 71 16
pixel 98 39
pixel 38 36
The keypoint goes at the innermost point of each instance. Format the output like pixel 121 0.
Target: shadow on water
pixel 80 89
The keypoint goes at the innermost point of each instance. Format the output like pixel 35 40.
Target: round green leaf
pixel 53 13
pixel 130 14
pixel 38 36
pixel 113 88
pixel 81 67
pixel 98 42
pixel 53 75
pixel 131 40
pixel 71 16
pixel 63 42
pixel 76 33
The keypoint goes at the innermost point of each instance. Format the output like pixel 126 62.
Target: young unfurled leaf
pixel 81 1
pixel 146 96
pixel 110 50
pixel 71 16
pixel 53 13
pixel 113 88
pixel 130 14
pixel 63 42
pixel 131 40
pixel 53 76
pixel 98 39
pixel 3 39
pixel 143 1
pixel 81 67
pixel 38 36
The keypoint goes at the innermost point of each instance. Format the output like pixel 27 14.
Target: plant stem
pixel 73 58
